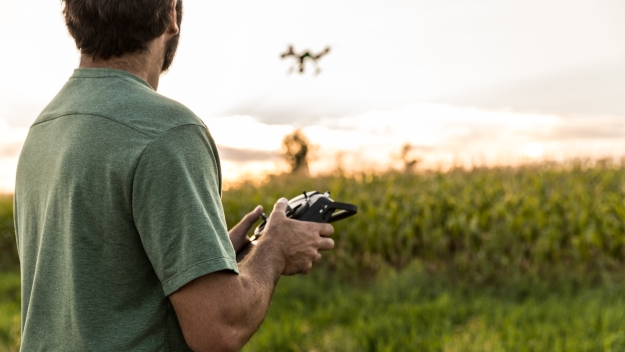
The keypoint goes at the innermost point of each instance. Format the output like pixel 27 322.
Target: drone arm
pixel 321 54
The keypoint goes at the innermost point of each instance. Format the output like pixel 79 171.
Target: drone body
pixel 302 58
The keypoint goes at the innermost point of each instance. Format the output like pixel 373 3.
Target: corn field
pixel 483 223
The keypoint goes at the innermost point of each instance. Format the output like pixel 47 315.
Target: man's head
pixel 111 28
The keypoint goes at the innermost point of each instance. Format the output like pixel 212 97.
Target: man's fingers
pixel 325 244
pixel 280 206
pixel 251 217
pixel 248 220
pixel 326 230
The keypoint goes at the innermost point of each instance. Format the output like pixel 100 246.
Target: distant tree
pixel 339 160
pixel 406 157
pixel 296 150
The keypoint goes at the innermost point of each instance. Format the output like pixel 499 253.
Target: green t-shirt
pixel 117 205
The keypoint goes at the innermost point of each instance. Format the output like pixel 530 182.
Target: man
pixel 121 233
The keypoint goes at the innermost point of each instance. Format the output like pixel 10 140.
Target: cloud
pixel 307 107
pixel 246 155
pixel 596 90
pixel 585 129
pixel 18 111
pixel 446 133
pixel 10 150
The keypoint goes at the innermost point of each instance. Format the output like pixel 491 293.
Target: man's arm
pixel 221 311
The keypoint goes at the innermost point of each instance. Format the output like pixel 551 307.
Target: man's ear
pixel 173 28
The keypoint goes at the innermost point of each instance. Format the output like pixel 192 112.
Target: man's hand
pixel 221 310
pixel 295 244
pixel 238 234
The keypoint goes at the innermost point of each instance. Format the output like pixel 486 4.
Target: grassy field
pixel 486 224
pixel 494 259
pixel 412 311
pixel 9 311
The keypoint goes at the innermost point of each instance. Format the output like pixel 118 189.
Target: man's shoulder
pixel 157 114
pixel 121 98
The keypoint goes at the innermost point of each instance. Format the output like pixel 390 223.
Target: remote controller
pixel 309 206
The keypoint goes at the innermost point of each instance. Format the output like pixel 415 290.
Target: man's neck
pixel 142 65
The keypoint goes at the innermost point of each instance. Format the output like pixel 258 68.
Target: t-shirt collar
pixel 107 72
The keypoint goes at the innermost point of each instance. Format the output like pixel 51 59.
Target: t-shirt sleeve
pixel 177 208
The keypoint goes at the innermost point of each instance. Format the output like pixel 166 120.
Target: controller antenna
pixel 306 196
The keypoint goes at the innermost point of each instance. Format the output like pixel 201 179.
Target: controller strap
pixel 345 210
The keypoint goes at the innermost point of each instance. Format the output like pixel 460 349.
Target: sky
pixel 477 81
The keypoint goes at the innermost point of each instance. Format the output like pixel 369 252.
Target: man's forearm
pixel 229 308
pixel 259 274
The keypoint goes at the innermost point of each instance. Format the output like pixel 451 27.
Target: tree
pixel 296 151
pixel 407 158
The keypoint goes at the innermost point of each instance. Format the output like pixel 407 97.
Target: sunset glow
pixel 470 83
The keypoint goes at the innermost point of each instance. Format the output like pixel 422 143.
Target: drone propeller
pixel 318 56
pixel 288 53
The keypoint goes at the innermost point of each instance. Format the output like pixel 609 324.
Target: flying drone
pixel 300 59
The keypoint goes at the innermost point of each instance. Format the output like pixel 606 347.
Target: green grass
pixel 412 311
pixel 9 311
pixel 8 249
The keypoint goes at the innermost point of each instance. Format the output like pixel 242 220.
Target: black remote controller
pixel 309 206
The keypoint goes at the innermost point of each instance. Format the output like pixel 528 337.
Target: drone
pixel 301 59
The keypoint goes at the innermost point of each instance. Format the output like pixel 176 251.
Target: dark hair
pixel 106 28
